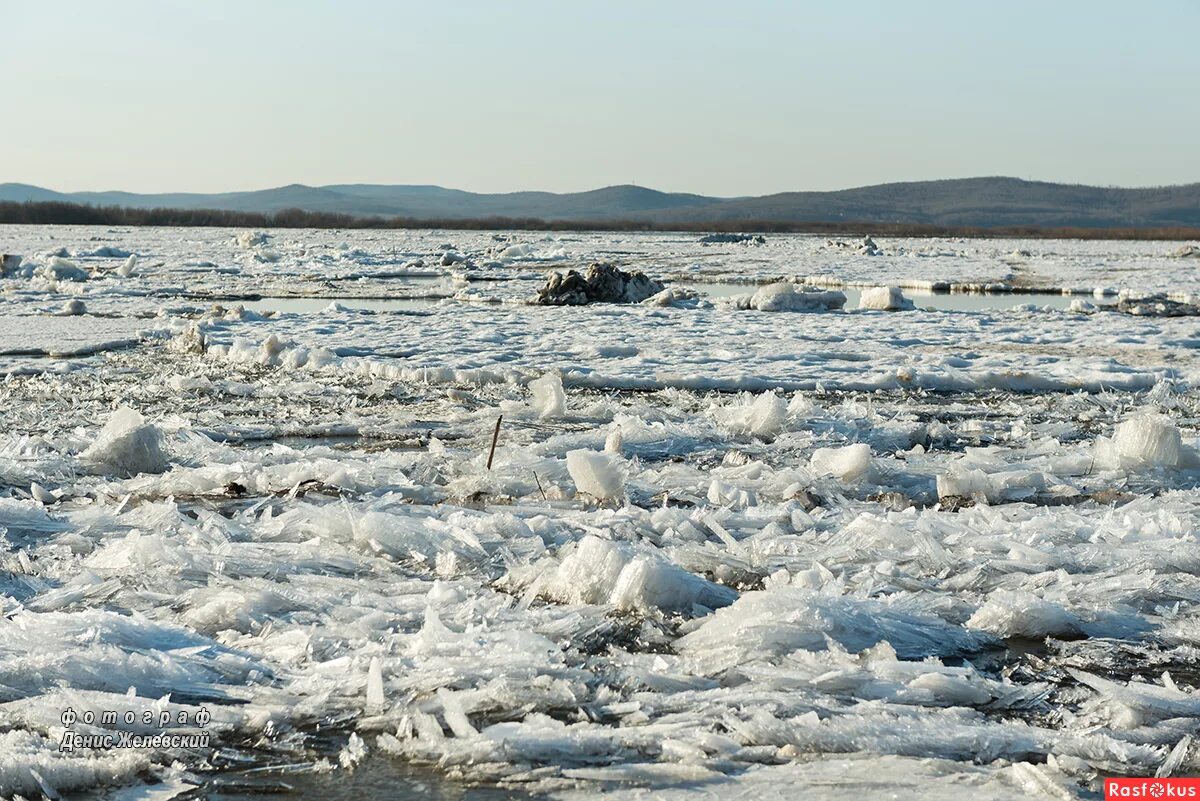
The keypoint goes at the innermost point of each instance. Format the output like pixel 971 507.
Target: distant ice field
pixel 720 550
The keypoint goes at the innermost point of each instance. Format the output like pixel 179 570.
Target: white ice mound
pixel 1011 613
pixel 549 399
pixel 674 296
pixel 59 269
pixel 72 308
pixel 126 446
pixel 1144 442
pixel 784 297
pixel 252 239
pixel 597 571
pixel 765 625
pixel 761 415
pixel 849 463
pixel 126 269
pixel 885 298
pixel 601 475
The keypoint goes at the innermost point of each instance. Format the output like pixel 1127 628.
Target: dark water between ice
pixel 924 300
pixel 936 301
pixel 378 777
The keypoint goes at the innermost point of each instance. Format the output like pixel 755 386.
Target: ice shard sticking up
pixel 601 475
pixel 549 399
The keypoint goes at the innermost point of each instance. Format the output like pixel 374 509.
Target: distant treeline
pixel 58 213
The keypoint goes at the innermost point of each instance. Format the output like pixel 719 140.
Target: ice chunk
pixel 375 697
pixel 252 239
pixel 597 571
pixel 18 516
pixel 32 766
pixel 614 443
pixel 59 269
pixel 41 494
pixel 9 263
pixel 784 297
pixel 72 308
pixel 517 252
pixel 548 396
pixel 600 475
pixel 963 482
pixel 849 463
pixel 1144 442
pixel 1010 613
pixel 127 445
pixel 674 296
pixel 762 416
pixel 767 624
pixel 126 269
pixel 885 298
pixel 353 752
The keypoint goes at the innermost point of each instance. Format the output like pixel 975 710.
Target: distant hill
pixel 984 202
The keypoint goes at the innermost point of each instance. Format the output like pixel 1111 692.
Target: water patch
pixel 312 305
pixel 934 301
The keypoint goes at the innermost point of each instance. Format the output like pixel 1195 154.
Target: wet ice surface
pixel 719 551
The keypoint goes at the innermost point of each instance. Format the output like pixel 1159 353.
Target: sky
pixel 717 98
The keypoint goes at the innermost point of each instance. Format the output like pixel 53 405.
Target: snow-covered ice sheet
pixel 719 551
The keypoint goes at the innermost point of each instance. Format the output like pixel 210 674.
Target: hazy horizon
pixel 147 96
pixel 233 191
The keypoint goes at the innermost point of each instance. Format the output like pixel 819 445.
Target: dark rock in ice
pixel 602 283
pixel 808 499
pixel 953 503
pixel 733 239
pixel 893 501
pixel 865 248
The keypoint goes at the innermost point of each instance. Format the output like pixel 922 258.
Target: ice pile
pixel 126 446
pixel 598 571
pixel 1010 613
pixel 601 283
pixel 765 625
pixel 763 415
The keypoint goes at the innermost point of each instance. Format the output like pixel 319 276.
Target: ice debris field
pixel 814 531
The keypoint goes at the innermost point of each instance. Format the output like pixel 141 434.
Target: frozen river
pixel 718 550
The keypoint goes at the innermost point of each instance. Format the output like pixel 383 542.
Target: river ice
pixel 720 549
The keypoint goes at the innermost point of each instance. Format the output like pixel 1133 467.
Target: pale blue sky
pixel 709 97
